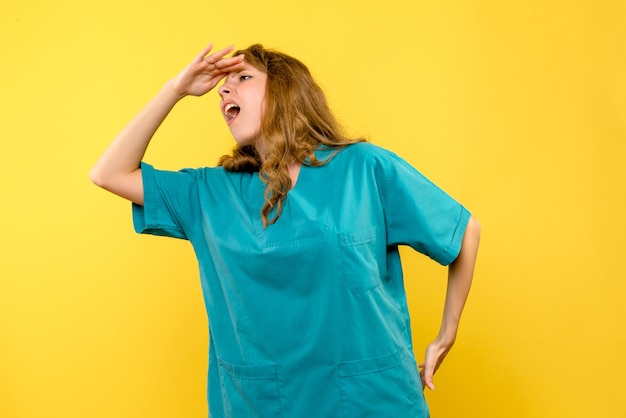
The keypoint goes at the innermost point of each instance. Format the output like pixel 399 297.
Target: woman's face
pixel 243 103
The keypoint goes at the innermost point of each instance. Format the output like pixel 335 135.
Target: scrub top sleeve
pixel 420 214
pixel 170 199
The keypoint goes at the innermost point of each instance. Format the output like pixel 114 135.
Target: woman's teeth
pixel 231 111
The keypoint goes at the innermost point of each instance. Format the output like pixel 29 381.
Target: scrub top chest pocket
pixel 358 259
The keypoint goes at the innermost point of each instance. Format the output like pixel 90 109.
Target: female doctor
pixel 296 235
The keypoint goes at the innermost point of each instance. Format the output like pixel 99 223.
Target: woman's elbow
pixel 97 177
pixel 471 238
pixel 473 226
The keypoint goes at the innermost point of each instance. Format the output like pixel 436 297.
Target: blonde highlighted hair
pixel 296 120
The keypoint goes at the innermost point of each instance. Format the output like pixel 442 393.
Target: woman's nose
pixel 224 89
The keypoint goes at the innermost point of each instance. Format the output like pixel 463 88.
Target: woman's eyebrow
pixel 237 71
pixel 233 73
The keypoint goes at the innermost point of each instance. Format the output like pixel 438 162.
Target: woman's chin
pixel 244 140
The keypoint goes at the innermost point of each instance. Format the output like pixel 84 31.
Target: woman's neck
pixel 294 172
pixel 293 168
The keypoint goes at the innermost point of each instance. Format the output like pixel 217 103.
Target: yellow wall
pixel 516 108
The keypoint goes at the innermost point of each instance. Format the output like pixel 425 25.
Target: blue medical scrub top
pixel 308 317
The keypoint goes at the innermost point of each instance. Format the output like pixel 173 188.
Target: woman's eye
pixel 244 77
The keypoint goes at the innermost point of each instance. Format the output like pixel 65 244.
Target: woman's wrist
pixel 446 338
pixel 170 88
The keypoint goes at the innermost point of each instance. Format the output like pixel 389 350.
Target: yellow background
pixel 516 108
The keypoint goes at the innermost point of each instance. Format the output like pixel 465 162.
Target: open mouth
pixel 231 111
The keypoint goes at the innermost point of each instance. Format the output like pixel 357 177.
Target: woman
pixel 297 234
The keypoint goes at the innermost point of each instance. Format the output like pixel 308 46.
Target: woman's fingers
pixel 216 56
pixel 230 64
pixel 427 372
pixel 434 357
pixel 204 53
pixel 216 63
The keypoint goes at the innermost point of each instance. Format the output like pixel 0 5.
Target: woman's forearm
pixel 116 170
pixel 460 276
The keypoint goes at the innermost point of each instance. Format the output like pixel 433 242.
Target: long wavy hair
pixel 296 120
